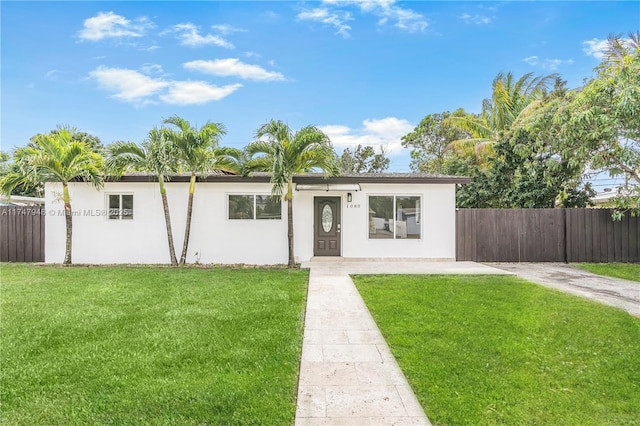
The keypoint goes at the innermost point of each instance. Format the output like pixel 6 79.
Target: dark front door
pixel 326 226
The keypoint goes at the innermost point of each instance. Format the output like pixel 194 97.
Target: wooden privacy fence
pixel 22 234
pixel 546 235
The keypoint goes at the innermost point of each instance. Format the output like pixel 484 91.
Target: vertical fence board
pixel 635 241
pixel 617 240
pixel 610 243
pixel 602 239
pixel 588 237
pixel 13 245
pixel 20 236
pixel 28 237
pixel 42 234
pixel 4 237
pixel 473 230
pixel 624 239
pixel 37 221
pixel 574 235
pixel 460 242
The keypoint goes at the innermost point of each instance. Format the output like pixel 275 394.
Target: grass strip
pixel 626 271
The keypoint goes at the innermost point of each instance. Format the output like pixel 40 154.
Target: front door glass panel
pixel 327 218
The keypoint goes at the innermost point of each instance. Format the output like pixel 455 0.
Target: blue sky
pixel 364 71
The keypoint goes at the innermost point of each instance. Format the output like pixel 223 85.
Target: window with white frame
pixel 120 206
pixel 394 217
pixel 253 207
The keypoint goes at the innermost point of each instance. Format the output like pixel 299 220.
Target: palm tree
pixel 200 154
pixel 283 153
pixel 154 155
pixel 510 99
pixel 56 157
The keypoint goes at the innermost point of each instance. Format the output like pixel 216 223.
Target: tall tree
pixel 510 98
pixel 155 155
pixel 7 166
pixel 56 157
pixel 363 159
pixel 430 140
pixel 200 154
pixel 603 129
pixel 282 153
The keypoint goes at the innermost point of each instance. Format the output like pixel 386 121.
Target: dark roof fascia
pixel 382 178
pixel 305 179
pixel 184 178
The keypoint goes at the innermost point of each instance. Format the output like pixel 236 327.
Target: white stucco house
pixel 235 220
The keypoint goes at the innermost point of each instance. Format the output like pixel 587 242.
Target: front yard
pixel 500 350
pixel 117 345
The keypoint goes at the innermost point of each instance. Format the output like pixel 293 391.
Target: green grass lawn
pixel 483 350
pixel 626 271
pixel 149 345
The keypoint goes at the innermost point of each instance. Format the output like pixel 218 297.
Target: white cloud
pixel 189 35
pixel 109 25
pixel 403 19
pixel 550 64
pixel 196 92
pixel 332 13
pixel 475 19
pixel 152 69
pixel 226 29
pixel 233 67
pixel 52 75
pixel 323 15
pixel 386 132
pixel 597 47
pixel 128 85
pixel 135 87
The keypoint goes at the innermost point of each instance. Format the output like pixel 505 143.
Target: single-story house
pixel 390 215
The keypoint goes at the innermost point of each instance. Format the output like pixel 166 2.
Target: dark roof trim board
pixel 312 178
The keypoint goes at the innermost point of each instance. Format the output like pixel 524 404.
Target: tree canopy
pixel 364 159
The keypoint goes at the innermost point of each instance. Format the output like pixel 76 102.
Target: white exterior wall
pixel 215 239
pixel 438 223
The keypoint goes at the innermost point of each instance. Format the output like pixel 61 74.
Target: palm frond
pixel 125 156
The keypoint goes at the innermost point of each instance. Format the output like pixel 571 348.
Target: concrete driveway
pixel 615 292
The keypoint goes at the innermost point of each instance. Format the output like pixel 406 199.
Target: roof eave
pixel 305 179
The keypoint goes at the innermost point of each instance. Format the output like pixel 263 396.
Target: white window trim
pixel 255 201
pixel 418 222
pixel 107 209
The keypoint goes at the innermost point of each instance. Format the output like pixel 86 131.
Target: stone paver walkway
pixel 347 374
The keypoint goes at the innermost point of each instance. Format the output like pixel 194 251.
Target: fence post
pixel 566 236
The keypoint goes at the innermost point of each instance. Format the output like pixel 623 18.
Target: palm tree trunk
pixel 68 222
pixel 292 261
pixel 167 221
pixel 187 229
